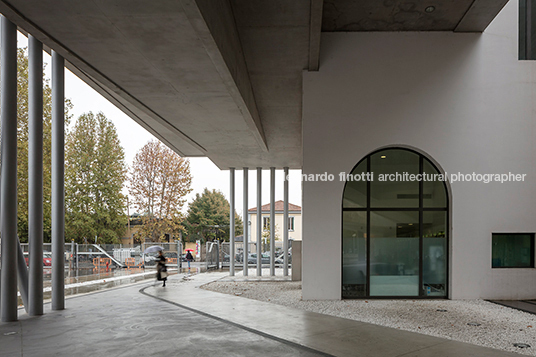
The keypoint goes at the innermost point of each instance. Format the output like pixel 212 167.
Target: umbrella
pixel 153 249
pixel 188 250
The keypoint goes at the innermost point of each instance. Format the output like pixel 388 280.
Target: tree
pixel 208 217
pixel 159 181
pixel 266 233
pixel 95 173
pixel 22 148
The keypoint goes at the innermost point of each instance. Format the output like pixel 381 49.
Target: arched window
pixel 394 227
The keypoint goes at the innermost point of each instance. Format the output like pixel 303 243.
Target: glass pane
pixel 391 185
pixel 354 254
pixel 394 253
pixel 512 250
pixel 434 193
pixel 434 273
pixel 355 192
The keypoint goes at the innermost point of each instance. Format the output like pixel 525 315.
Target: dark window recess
pixel 527 29
pixel 512 250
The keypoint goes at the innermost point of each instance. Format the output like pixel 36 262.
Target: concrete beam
pixel 480 15
pixel 120 97
pixel 215 25
pixel 314 34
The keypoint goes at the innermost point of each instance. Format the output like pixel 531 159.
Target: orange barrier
pixel 102 263
pixel 131 263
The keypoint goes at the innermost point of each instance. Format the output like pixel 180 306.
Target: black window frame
pixel 421 209
pixel 532 247
pixel 527 30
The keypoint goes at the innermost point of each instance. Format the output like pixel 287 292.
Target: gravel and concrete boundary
pixel 474 321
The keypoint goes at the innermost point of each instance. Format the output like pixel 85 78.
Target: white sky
pixel 133 137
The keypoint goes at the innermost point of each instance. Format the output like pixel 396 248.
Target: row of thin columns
pixel 246 252
pixel 8 184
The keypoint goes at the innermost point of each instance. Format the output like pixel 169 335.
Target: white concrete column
pixel 245 251
pixel 35 175
pixel 285 223
pixel 272 221
pixel 8 184
pixel 232 223
pixel 259 221
pixel 58 169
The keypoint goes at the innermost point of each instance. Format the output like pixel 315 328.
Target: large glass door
pixel 394 253
pixel 394 227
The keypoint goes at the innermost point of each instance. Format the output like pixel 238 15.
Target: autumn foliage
pixel 159 181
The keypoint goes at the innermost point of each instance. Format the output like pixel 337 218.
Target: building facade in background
pixel 294 223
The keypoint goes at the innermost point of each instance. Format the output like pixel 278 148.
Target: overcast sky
pixel 133 137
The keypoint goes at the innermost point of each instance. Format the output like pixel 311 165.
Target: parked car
pixel 279 259
pixel 252 258
pixel 47 259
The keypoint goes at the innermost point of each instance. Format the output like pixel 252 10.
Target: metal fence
pixel 252 255
pixel 105 256
pixel 212 255
pixel 172 252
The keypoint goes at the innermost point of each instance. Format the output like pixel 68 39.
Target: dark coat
pixel 189 257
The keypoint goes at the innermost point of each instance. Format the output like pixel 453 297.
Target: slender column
pixel 272 221
pixel 22 275
pixel 8 205
pixel 232 224
pixel 58 198
pixel 259 221
pixel 285 223
pixel 35 175
pixel 245 251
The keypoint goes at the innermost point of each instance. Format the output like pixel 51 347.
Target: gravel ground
pixel 500 327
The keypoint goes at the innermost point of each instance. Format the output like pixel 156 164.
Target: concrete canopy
pixel 215 78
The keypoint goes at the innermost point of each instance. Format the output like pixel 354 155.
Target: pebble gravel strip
pixel 474 321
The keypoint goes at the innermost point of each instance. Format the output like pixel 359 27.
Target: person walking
pixel 161 273
pixel 189 258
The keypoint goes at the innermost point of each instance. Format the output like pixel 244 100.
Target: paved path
pixel 523 305
pixel 183 320
pixel 331 335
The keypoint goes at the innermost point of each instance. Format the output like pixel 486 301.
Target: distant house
pixel 294 222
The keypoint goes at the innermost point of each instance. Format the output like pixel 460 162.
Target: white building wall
pixel 465 101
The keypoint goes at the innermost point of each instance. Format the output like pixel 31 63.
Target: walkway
pixel 181 319
pixel 523 305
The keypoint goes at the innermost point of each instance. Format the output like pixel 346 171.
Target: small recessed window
pixel 266 223
pixel 291 224
pixel 527 29
pixel 512 250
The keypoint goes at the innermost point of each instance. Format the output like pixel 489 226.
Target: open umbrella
pixel 188 250
pixel 153 249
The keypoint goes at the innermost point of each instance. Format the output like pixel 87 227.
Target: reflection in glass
pixel 403 252
pixel 433 191
pixel 355 192
pixel 512 250
pixel 354 254
pixel 395 191
pixel 394 253
pixel 434 275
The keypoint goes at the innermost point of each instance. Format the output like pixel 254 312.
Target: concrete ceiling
pixel 219 78
pixel 404 15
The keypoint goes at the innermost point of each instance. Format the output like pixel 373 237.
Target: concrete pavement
pixel 184 320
